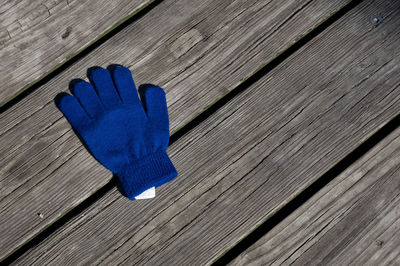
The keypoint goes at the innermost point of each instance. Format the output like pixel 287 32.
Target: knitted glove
pixel 127 136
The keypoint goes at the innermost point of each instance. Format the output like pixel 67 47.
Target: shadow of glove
pixel 128 136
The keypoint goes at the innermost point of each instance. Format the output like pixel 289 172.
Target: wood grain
pixel 354 220
pixel 197 51
pixel 38 36
pixel 251 156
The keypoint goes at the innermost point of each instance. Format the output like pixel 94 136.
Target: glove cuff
pixel 151 171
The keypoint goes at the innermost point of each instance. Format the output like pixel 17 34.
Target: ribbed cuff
pixel 151 171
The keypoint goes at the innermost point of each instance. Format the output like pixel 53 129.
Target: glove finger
pixel 126 87
pixel 155 102
pixel 73 111
pixel 88 98
pixel 104 85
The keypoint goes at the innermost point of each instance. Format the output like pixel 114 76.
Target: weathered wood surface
pixel 354 220
pixel 196 51
pixel 37 36
pixel 251 156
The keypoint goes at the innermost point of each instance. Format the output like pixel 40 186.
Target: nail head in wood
pixel 379 243
pixel 376 20
pixel 67 32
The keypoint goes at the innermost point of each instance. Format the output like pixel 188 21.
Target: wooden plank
pixel 354 220
pixel 196 51
pixel 251 156
pixel 38 36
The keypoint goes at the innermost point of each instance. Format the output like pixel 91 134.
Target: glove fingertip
pixel 121 71
pixel 71 109
pixel 103 83
pixel 62 100
pixel 126 86
pixel 154 91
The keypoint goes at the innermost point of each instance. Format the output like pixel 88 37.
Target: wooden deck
pixel 285 133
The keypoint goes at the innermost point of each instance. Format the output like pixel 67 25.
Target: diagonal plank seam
pixel 373 186
pixel 308 192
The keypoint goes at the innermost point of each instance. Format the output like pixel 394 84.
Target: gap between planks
pixel 355 219
pixel 244 248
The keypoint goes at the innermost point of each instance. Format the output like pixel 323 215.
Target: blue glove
pixel 127 136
